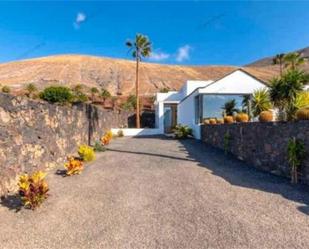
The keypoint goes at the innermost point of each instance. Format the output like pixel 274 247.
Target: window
pixel 198 108
pixel 212 104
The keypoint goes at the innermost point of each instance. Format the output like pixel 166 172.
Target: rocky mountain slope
pixel 116 75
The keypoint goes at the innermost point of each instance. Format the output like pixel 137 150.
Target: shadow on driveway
pixel 239 173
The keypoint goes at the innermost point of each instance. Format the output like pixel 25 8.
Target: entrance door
pixel 170 117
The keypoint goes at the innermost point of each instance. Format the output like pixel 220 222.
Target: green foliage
pixel 229 107
pixel 31 89
pixel 296 155
pixel 293 60
pixel 6 89
pixel 94 90
pixel 260 102
pixel 302 100
pixel 226 142
pixel 99 147
pixel 57 94
pixel 86 153
pixel 284 91
pixel 130 104
pixel 182 131
pixel 141 46
pixel 105 94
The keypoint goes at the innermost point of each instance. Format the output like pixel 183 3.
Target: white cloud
pixel 183 53
pixel 80 18
pixel 159 56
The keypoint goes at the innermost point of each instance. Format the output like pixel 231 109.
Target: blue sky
pixel 182 32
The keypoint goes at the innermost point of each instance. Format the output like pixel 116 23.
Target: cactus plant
pixel 242 117
pixel 303 114
pixel 228 119
pixel 266 116
pixel 212 121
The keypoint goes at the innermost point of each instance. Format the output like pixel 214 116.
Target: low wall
pixel 263 145
pixel 135 132
pixel 38 135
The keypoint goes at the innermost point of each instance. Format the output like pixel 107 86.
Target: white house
pixel 198 100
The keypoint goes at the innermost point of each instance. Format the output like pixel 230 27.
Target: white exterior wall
pixel 237 82
pixel 186 114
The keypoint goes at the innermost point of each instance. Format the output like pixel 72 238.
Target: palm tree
pixel 293 60
pixel 279 59
pixel 260 101
pixel 140 47
pixel 229 107
pixel 283 91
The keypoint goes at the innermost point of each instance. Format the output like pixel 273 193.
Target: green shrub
pixel 130 104
pixel 182 131
pixel 120 133
pixel 57 94
pixel 31 89
pixel 6 89
pixel 86 153
pixel 79 97
pixel 296 155
pixel 98 147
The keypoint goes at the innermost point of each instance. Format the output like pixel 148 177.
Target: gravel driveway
pixel 163 193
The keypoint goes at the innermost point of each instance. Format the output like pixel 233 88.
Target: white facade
pixel 237 82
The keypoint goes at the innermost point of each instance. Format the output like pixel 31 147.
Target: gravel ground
pixel 163 193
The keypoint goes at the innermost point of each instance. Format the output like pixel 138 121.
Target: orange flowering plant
pixel 73 166
pixel 33 189
pixel 107 137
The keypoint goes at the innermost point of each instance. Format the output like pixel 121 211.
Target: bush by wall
pixel 38 135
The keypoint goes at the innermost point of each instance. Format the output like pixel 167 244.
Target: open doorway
pixel 170 117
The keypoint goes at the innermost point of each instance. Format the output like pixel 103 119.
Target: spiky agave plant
pixel 260 102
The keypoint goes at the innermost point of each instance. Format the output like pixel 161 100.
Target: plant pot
pixel 242 117
pixel 206 121
pixel 212 121
pixel 228 119
pixel 303 114
pixel 266 116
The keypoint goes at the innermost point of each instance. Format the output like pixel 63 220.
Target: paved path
pixel 161 193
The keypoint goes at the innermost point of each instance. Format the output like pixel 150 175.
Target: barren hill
pixel 268 61
pixel 116 75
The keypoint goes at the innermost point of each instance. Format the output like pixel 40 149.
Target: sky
pixel 181 32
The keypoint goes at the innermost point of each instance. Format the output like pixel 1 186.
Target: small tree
pixel 296 155
pixel 105 95
pixel 293 60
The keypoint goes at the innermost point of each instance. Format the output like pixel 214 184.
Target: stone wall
pixel 38 135
pixel 263 145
